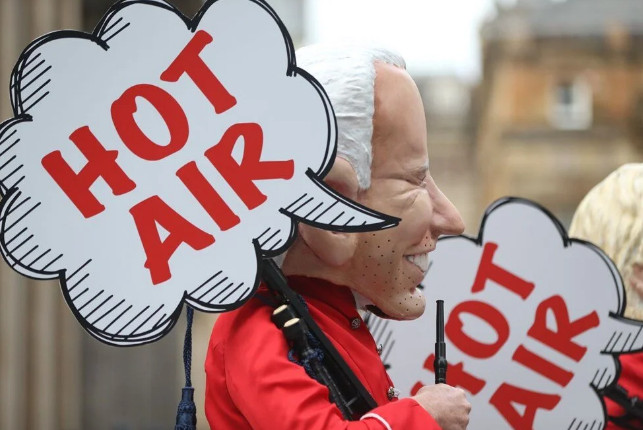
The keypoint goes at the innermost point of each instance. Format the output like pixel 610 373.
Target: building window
pixel 571 107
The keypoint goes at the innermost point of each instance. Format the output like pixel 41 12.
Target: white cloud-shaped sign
pixel 533 321
pixel 159 159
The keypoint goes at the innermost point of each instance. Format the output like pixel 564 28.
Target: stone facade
pixel 559 105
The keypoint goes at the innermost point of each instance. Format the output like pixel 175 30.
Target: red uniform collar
pixel 339 297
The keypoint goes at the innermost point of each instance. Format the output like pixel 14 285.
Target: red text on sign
pixel 484 312
pixel 560 339
pixel 101 163
pixel 124 108
pixel 153 211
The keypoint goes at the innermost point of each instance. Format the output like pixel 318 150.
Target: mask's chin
pixel 395 313
pixel 380 313
pixel 376 311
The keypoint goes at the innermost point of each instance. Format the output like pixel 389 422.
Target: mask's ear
pixel 334 248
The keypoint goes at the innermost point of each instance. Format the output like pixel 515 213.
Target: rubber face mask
pixel 388 265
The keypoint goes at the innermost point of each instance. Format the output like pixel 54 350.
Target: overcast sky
pixel 434 36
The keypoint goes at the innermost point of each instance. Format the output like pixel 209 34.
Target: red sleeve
pixel 266 391
pixel 403 414
pixel 631 379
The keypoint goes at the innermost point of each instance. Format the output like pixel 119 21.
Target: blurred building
pixel 560 104
pixel 291 13
pixel 40 369
pixel 447 105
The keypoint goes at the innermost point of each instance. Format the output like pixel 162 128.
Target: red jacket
pixel 632 380
pixel 251 384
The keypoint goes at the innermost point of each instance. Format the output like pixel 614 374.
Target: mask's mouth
pixel 421 261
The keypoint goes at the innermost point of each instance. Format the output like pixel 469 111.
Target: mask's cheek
pixel 382 274
pixel 416 220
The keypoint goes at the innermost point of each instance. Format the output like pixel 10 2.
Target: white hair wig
pixel 611 217
pixel 347 74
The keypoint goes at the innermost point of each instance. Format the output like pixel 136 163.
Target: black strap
pixel 633 418
pixel 359 400
pixel 268 300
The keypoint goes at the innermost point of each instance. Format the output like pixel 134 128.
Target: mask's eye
pixel 417 182
pixel 418 178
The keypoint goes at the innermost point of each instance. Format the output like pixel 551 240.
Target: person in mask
pixel 382 163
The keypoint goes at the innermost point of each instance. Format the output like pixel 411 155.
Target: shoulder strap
pixel 358 400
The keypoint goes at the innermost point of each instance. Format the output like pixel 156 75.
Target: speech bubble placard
pixel 159 159
pixel 533 321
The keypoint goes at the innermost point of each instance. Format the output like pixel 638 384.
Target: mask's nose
pixel 446 219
